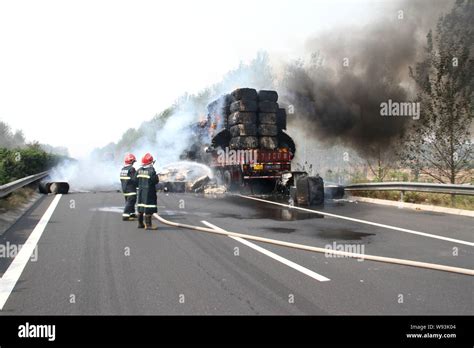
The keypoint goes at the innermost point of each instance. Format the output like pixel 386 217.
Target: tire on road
pixel 59 188
pixel 334 191
pixel 44 187
pixel 316 190
pixel 302 190
pixel 175 186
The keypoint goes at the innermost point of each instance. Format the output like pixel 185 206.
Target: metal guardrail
pixel 15 185
pixel 413 186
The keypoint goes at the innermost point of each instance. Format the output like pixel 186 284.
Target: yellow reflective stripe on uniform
pixel 143 176
pixel 130 194
pixel 124 178
pixel 147 205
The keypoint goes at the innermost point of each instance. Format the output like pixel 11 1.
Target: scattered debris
pixel 199 184
pixel 215 190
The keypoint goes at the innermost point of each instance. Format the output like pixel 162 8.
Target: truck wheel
pixel 232 183
pixel 227 180
pixel 316 190
pixel 302 191
pixel 219 177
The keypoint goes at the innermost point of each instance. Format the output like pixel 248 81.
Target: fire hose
pixel 412 263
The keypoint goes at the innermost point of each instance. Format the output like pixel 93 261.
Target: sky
pixel 79 73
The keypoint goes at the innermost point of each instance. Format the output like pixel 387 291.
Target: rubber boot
pixel 148 225
pixel 140 221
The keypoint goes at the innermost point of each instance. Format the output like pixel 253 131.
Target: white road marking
pixel 274 256
pixel 413 263
pixel 14 271
pixel 435 236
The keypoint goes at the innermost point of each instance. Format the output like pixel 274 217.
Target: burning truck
pixel 243 139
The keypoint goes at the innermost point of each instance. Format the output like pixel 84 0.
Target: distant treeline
pixel 19 158
pixel 21 162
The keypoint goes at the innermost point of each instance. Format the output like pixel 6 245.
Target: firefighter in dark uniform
pixel 146 199
pixel 129 188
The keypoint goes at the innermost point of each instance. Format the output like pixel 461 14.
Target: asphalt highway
pixel 88 261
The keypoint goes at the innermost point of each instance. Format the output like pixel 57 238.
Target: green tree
pixel 439 143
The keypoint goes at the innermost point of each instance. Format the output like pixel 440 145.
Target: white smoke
pixel 89 174
pixel 101 169
pixel 100 172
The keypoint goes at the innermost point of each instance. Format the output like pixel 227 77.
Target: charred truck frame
pixel 243 140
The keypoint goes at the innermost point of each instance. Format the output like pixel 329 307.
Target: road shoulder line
pixel 400 229
pixel 272 255
pixel 14 271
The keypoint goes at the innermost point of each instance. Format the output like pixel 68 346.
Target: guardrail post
pixel 402 193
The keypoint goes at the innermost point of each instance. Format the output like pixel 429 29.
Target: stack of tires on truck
pixel 253 119
pixel 247 119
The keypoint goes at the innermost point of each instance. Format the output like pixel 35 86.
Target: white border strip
pixel 414 206
pixel 14 271
pixel 274 256
pixel 435 236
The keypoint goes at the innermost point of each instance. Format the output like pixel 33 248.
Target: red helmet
pixel 130 158
pixel 147 159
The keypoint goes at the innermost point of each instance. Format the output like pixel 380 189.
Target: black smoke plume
pixel 336 94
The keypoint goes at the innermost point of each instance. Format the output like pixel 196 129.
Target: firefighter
pixel 129 187
pixel 146 200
